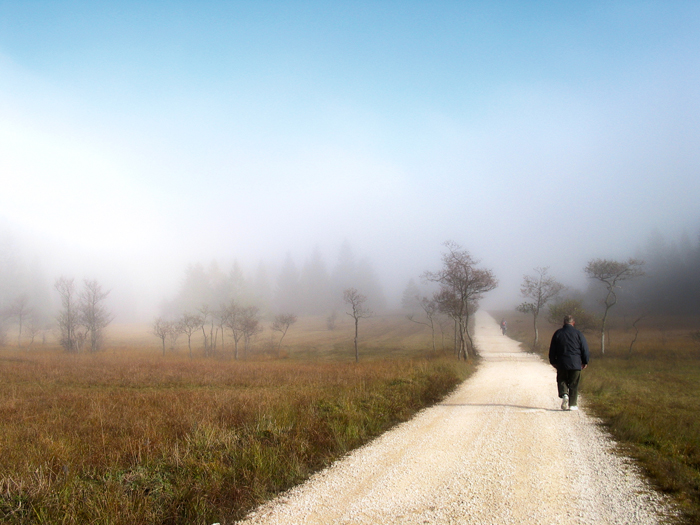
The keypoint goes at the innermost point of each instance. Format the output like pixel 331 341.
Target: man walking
pixel 568 353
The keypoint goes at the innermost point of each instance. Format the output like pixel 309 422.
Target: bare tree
pixel 232 320
pixel 356 301
pixel 20 310
pixel 540 289
pixel 69 315
pixel 611 274
pixel 35 327
pixel 189 324
pixel 250 325
pixel 162 329
pixel 636 333
pixel 174 334
pixel 430 308
pixel 220 316
pixel 93 313
pixel 211 337
pixel 281 323
pixel 462 285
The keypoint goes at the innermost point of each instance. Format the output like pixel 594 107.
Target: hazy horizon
pixel 138 138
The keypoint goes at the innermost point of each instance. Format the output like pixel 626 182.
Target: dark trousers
pixel 567 381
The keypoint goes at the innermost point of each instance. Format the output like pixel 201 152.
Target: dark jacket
pixel 568 349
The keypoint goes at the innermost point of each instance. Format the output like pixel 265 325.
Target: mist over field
pixel 143 143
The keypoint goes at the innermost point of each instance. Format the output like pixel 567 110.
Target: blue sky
pixel 145 135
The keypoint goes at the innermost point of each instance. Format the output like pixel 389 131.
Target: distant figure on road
pixel 503 326
pixel 568 353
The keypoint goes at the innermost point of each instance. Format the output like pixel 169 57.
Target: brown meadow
pixel 130 436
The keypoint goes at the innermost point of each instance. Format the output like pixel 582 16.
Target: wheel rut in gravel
pixel 498 450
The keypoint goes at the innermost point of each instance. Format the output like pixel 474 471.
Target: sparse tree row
pixel 542 288
pixel 83 316
pixel 239 315
pixel 218 311
pixel 228 311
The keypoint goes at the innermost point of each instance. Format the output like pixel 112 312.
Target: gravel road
pixel 498 451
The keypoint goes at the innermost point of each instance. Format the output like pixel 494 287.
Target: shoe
pixel 573 407
pixel 565 402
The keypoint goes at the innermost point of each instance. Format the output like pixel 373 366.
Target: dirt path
pixel 497 451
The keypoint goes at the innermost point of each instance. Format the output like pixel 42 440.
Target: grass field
pixel 131 436
pixel 648 398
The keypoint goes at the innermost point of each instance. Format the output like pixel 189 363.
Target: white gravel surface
pixel 498 451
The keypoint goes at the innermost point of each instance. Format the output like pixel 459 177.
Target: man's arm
pixel 553 351
pixel 585 354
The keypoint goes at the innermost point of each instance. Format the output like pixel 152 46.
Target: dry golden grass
pixel 130 436
pixel 307 336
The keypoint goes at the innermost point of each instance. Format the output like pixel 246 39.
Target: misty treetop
pixel 671 284
pixel 662 279
pixel 311 290
pixel 30 305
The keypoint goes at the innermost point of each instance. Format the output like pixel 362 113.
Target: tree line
pixel 460 284
pixel 83 315
pixel 230 306
pixel 606 274
pixel 311 289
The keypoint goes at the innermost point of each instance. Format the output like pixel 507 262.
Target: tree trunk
pixel 457 345
pixel 465 345
pixel 537 335
pixel 357 354
pixel 602 331
pixel 469 335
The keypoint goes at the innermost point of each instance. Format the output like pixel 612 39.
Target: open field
pixel 309 337
pixel 648 398
pixel 131 436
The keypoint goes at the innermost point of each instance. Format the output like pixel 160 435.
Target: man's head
pixel 568 320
